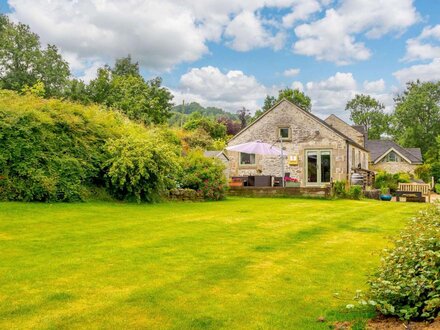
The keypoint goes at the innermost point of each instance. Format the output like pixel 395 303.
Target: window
pixel 318 166
pixel 353 158
pixel 284 133
pixel 391 157
pixel 247 159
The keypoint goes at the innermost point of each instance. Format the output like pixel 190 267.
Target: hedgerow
pixel 52 150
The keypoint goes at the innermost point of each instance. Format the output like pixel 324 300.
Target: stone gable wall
pixel 346 129
pixel 306 134
pixel 394 167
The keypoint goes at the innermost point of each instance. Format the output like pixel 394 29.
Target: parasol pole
pixel 282 163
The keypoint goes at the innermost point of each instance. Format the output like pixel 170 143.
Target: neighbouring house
pixel 318 151
pixel 384 155
pixel 219 154
pixel 388 156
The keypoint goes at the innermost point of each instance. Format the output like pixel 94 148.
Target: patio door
pixel 318 167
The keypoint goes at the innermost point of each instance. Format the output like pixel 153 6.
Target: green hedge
pixel 51 150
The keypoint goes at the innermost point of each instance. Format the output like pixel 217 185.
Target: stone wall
pixel 394 167
pixel 324 192
pixel 307 133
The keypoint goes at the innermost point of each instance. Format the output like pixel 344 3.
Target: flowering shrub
pixel 203 174
pixel 289 179
pixel 407 284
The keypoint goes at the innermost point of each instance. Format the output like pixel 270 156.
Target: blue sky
pixel 231 54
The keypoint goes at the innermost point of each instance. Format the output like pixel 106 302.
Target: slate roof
pixel 360 128
pixel 378 147
pixel 215 154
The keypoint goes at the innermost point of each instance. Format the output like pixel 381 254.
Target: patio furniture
pixel 239 181
pixel 411 196
pixel 260 180
pixel 423 188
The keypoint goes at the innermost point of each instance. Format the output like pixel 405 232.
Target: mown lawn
pixel 237 264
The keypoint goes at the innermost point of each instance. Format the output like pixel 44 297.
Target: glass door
pixel 312 167
pixel 318 166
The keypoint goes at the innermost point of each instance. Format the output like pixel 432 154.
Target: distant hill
pixel 179 114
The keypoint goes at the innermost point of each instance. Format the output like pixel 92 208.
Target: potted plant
pixel 291 182
pixel 384 194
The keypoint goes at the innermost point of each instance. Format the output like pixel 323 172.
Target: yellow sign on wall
pixel 293 160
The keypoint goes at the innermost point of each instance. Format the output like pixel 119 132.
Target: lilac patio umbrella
pixel 261 148
pixel 257 147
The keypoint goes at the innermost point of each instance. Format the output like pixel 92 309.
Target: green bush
pixel 391 181
pixel 140 167
pixel 339 189
pixel 407 284
pixel 403 178
pixel 53 150
pixel 203 174
pixel 435 171
pixel 437 188
pixel 424 172
pixel 355 192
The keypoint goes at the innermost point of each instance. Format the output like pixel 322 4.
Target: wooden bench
pixel 423 188
pixel 411 196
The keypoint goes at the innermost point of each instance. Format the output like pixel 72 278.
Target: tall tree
pixel 417 117
pixel 293 95
pixel 99 88
pixel 244 115
pixel 296 97
pixel 144 101
pixel 269 102
pixel 24 63
pixel 216 130
pixel 123 88
pixel 369 112
pixel 125 67
pixel 53 72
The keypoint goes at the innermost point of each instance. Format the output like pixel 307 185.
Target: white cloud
pixel 291 72
pixel 329 96
pixel 424 47
pixel 301 11
pixel 157 33
pixel 211 87
pixel 160 34
pixel 423 72
pixel 339 82
pixel 297 85
pixel 247 32
pixel 375 86
pixel 90 72
pixel 332 38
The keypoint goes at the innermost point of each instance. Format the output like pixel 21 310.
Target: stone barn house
pixel 318 151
